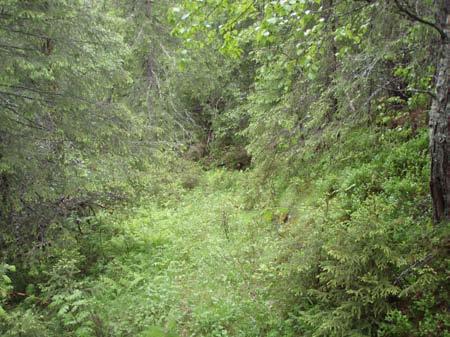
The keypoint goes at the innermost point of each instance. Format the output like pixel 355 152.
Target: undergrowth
pixel 360 255
pixel 342 248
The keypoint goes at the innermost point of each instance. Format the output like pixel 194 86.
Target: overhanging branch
pixel 403 9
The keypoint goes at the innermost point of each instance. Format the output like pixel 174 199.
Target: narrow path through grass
pixel 196 266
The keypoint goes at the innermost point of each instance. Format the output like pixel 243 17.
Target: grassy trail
pixel 197 266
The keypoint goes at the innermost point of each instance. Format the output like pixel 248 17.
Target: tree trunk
pixel 439 122
pixel 148 8
pixel 331 60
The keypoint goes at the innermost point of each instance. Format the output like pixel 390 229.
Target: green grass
pixel 318 254
pixel 196 266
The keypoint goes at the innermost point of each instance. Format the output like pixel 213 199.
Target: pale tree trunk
pixel 148 8
pixel 439 121
pixel 331 59
pixel 439 124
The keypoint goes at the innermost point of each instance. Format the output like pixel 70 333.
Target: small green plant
pixel 5 286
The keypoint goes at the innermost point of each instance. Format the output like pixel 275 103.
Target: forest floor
pixel 229 253
pixel 197 264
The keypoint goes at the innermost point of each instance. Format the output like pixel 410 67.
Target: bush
pixel 366 226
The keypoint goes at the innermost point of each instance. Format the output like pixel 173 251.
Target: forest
pixel 224 168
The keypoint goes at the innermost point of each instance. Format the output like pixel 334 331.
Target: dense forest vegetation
pixel 223 168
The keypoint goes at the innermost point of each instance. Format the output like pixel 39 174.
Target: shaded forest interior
pixel 222 168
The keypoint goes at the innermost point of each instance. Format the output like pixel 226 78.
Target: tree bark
pixel 332 63
pixel 148 8
pixel 439 121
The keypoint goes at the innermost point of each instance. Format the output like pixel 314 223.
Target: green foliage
pixel 115 219
pixel 5 286
pixel 350 255
pixel 63 127
pixel 155 331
